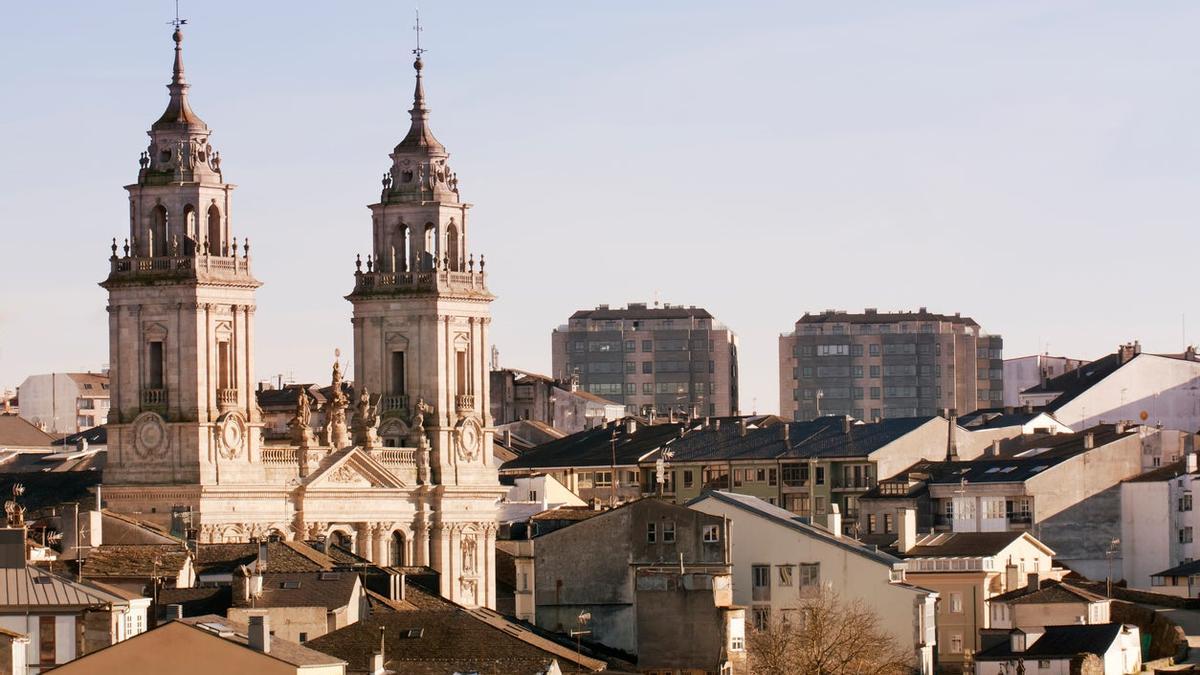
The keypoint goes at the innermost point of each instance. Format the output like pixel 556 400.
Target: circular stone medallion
pixel 150 438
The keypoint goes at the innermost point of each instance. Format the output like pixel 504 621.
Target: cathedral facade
pixel 401 471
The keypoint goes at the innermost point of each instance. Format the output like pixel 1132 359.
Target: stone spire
pixel 420 171
pixel 420 138
pixel 179 115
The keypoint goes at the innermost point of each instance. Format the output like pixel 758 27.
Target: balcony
pixel 440 280
pixel 856 484
pixel 391 402
pixel 223 267
pixel 227 399
pixel 464 402
pixel 1019 518
pixel 793 482
pixel 154 397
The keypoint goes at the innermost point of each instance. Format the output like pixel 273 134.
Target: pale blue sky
pixel 1031 164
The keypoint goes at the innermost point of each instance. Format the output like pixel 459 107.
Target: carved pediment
pixel 353 468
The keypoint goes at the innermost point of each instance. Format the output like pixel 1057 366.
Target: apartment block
pixel 668 358
pixel 874 365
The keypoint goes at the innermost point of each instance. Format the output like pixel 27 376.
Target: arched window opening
pixel 215 240
pixel 430 247
pixel 156 239
pixel 189 230
pixel 341 540
pixel 452 247
pixel 397 555
pixel 404 251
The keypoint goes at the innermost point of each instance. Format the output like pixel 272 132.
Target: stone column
pixel 487 575
pixel 420 546
pixel 362 540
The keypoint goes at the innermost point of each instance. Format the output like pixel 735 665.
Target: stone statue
pixel 468 554
pixel 301 422
pixel 215 161
pixel 366 421
pixel 335 412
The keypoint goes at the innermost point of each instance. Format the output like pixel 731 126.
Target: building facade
pixel 518 395
pixel 669 358
pixel 875 365
pixel 404 474
pixel 1023 372
pixel 65 403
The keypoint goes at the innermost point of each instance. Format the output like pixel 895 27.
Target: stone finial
pixel 357 263
pixel 144 160
pixel 126 247
pixel 233 250
pixel 114 248
pixel 471 263
pixel 246 246
pixel 174 245
pixel 480 262
pixel 370 263
pixel 445 262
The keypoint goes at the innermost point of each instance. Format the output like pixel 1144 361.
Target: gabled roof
pixel 770 512
pixel 136 561
pixel 330 590
pixel 999 418
pixel 1160 474
pixel 427 634
pixel 1048 592
pixel 235 632
pixel 91 384
pixel 1071 384
pixel 1059 642
pixel 282 556
pixel 1187 569
pixel 594 447
pixel 967 544
pixel 16 431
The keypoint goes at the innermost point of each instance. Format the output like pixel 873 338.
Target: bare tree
pixel 826 635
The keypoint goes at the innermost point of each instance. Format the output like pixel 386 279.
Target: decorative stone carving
pixel 335 413
pixel 469 438
pixel 469 551
pixel 366 419
pixel 301 423
pixel 344 474
pixel 231 434
pixel 151 439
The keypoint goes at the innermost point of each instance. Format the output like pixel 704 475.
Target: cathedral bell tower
pixel 181 321
pixel 421 342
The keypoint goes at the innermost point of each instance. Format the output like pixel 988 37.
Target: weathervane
pixel 177 22
pixel 417 29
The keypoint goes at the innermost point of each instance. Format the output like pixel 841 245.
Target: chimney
pixel 1034 580
pixel 845 425
pixel 261 563
pixel 906 530
pixel 174 612
pixel 717 424
pixel 1089 441
pixel 630 425
pixel 241 584
pixel 992 450
pixel 508 438
pixel 951 444
pixel 1189 459
pixel 742 427
pixel 12 548
pixel 1010 577
pixel 835 521
pixel 377 664
pixel 260 633
pixel 784 431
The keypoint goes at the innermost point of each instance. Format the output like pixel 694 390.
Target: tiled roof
pixel 1059 642
pixel 593 447
pixel 135 561
pixel 283 650
pixel 282 556
pixel 792 521
pixel 32 586
pixel 16 431
pixel 884 317
pixel 427 635
pixel 330 590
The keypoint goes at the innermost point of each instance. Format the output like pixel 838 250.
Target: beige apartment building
pixel 874 365
pixel 668 358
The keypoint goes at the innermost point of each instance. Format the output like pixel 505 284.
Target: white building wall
pixel 50 399
pixel 756 540
pixel 1150 528
pixel 1167 390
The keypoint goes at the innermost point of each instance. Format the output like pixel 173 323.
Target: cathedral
pixel 401 469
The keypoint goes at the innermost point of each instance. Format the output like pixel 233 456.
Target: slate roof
pixel 1162 473
pixel 32 586
pixel 197 601
pixel 883 317
pixel 961 544
pixel 135 561
pixel 1187 569
pixel 282 556
pixel 1050 592
pixel 46 489
pixel 16 431
pixel 593 447
pixel 91 384
pixel 1059 642
pixel 97 435
pixel 998 418
pixel 58 460
pixel 427 635
pixel 792 521
pixel 233 631
pixel 1071 384
pixel 330 590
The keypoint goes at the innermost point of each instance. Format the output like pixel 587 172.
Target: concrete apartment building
pixel 518 395
pixel 875 365
pixel 1158 523
pixel 662 358
pixel 65 403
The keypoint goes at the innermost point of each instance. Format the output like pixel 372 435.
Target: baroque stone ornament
pixel 470 438
pixel 150 437
pixel 231 434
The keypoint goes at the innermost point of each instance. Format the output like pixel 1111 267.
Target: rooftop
pixel 16 431
pixel 282 557
pixel 1059 642
pixel 232 631
pixel 640 310
pixel 330 590
pixel 874 316
pixel 594 447
pixel 1048 592
pixel 961 544
pixel 137 561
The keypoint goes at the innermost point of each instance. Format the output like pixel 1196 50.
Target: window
pixel 761 616
pixel 874 350
pixel 630 388
pixel 874 371
pixel 711 534
pixel 303 637
pixel 630 367
pixel 820 475
pixel 688 479
pixel 630 345
pixel 956 644
pixel 760 475
pixel 647 367
pixel 604 478
pixel 856 371
pixel 1043 664
pixel 810 575
pixel 857 393
pixel 760 576
pixel 669 532
pixel 647 387
pixel 647 345
pixel 155 378
pixel 604 346
pixel 737 643
pixel 651 533
pixel 1185 502
pixel 819 505
pixel 956 605
pixel 46 643
pixel 806 371
pixel 833 350
pixel 786 572
pixel 871 523
pixel 1185 535
pixel 772 476
pixel 856 350
pixel 887 523
pixel 875 394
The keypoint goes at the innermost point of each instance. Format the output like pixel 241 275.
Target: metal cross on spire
pixel 177 22
pixel 417 29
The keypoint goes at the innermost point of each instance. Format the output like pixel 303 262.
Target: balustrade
pixel 464 402
pixel 154 397
pixel 394 402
